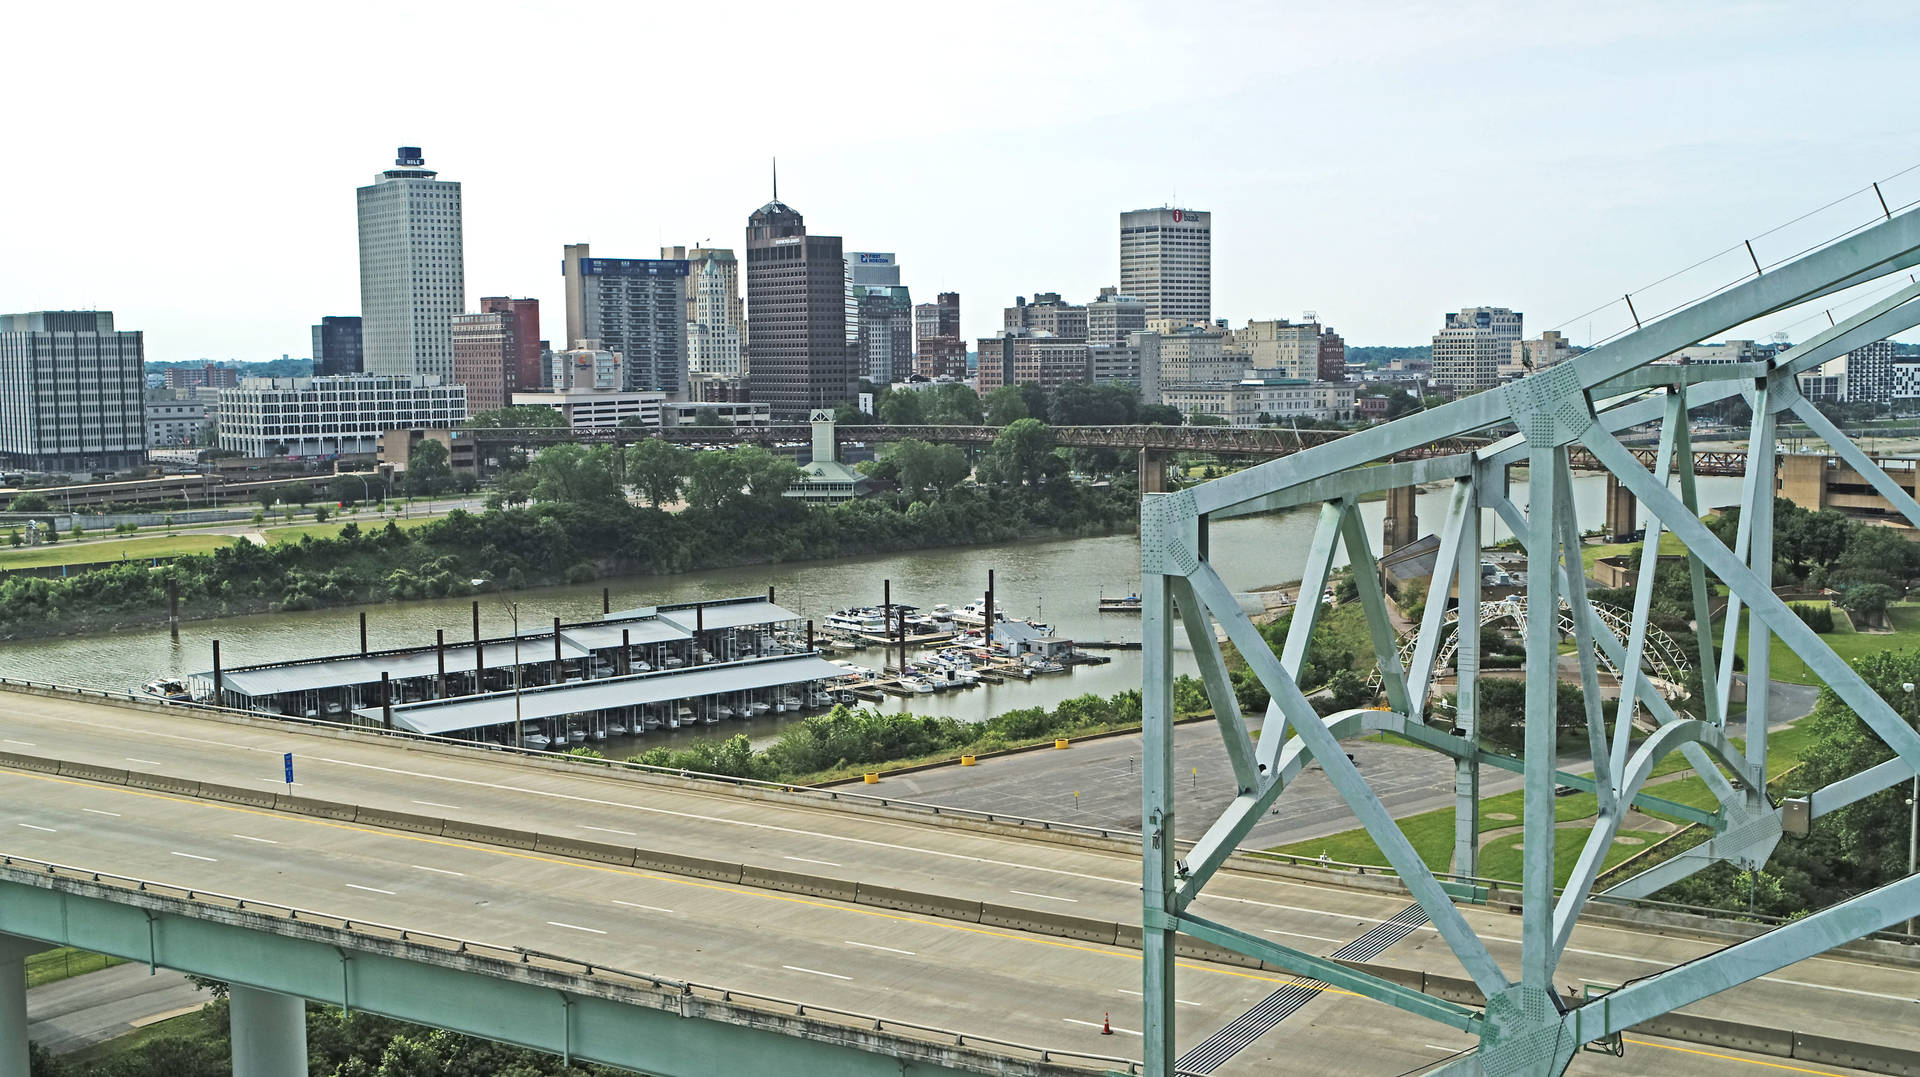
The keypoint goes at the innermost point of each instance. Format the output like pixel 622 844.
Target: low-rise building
pixel 333 416
pixel 598 409
pixel 824 480
pixel 172 422
pixel 731 413
pixel 1023 356
pixel 1826 383
pixel 1258 401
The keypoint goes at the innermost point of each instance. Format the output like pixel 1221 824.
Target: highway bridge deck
pixel 1020 985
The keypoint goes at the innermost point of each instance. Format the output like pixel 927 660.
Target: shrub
pixel 1818 618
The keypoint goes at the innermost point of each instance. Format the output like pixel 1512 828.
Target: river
pixel 1059 581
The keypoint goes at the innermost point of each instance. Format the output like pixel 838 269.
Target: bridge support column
pixel 13 1001
pixel 1621 511
pixel 269 1033
pixel 1402 525
pixel 1153 472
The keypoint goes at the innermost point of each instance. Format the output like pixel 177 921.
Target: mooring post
pixel 363 633
pixel 989 614
pixel 809 633
pixel 886 624
pixel 173 607
pixel 219 694
pixel 626 651
pixel 699 628
pixel 479 653
pixel 559 671
pixel 606 601
pixel 440 656
pixel 386 699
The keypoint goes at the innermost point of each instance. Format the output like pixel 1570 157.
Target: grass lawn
pixel 198 1025
pixel 135 548
pixel 1669 544
pixel 1502 860
pixel 1844 641
pixel 49 966
pixel 331 529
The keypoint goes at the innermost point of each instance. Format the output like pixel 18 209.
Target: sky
pixel 192 166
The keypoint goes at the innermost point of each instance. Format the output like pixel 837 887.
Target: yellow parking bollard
pixel 1060 742
pixel 966 761
pixel 873 777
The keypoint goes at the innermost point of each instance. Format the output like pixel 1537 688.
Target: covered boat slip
pixel 619 644
pixel 632 702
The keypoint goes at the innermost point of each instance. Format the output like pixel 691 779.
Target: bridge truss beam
pixel 1526 1025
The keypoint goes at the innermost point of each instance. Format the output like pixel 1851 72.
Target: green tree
pixel 1159 415
pixel 714 478
pixel 765 475
pixel 1200 418
pixel 517 417
pixel 923 469
pixel 1005 406
pixel 31 501
pixel 707 417
pixel 429 469
pixel 656 468
pixel 902 407
pixel 1868 601
pixel 576 474
pixel 511 488
pixel 953 404
pixel 1023 454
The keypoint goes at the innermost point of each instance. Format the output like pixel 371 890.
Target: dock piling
pixel 219 694
pixel 606 601
pixel 479 653
pixel 559 671
pixel 626 651
pixel 989 613
pixel 440 653
pixel 386 699
pixel 363 633
pixel 173 607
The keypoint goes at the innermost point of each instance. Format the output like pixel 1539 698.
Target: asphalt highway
pixel 989 981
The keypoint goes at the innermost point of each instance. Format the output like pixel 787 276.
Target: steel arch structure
pixel 1525 1025
pixel 1662 659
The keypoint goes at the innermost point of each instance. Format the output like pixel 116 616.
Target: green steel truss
pixel 1526 1026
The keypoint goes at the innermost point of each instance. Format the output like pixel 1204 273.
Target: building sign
pixel 869 259
pixel 1179 215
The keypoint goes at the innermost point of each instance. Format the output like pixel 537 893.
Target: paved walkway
pixel 84 1010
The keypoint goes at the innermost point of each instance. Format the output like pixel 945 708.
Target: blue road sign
pixel 289 762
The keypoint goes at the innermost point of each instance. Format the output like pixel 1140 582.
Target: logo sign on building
pixel 868 259
pixel 1179 215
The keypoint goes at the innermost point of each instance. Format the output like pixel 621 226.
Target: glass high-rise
pixel 412 275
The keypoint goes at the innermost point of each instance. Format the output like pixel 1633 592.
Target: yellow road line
pixel 1731 1058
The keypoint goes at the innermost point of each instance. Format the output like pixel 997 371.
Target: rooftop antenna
pixel 776 179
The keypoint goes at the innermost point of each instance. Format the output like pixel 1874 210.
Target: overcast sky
pixel 192 166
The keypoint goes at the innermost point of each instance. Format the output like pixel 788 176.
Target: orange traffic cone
pixel 1106 1025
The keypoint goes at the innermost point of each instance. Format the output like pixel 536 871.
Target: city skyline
pixel 1618 145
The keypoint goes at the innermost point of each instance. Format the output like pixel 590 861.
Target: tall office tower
pixel 336 346
pixel 873 269
pixel 412 275
pixel 1870 374
pixel 1468 350
pixel 72 392
pixel 485 354
pixel 939 350
pixel 884 352
pixel 526 371
pixel 1047 314
pixel 636 307
pixel 797 354
pixel 1166 261
pixel 716 318
pixel 1113 317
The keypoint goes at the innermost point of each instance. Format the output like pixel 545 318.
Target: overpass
pixel 681 926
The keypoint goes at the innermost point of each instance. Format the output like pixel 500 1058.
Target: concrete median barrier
pixel 1200 950
pixel 233 794
pixel 162 783
pixel 29 762
pixel 1040 922
pixel 394 820
pixel 90 773
pixel 794 882
pixel 1872 1058
pixel 585 850
pixel 886 897
pixel 324 809
pixel 1456 989
pixel 487 835
pixel 1713 1032
pixel 697 866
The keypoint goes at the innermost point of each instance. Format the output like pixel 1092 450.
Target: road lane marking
pixel 27 743
pixel 1137 994
pixel 282 781
pixel 817 972
pixel 1096 1024
pixel 97 811
pixel 48 829
pixel 804 860
pixel 1044 897
pixel 440 871
pixel 1299 935
pixel 431 804
pixel 1438 1047
pixel 575 927
pixel 769 896
pixel 637 905
pixel 193 856
pixel 147 762
pixel 371 889
pixel 609 830
pixel 871 946
pixel 250 837
pixel 1729 1058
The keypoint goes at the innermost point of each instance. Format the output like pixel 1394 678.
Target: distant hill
pixel 1381 355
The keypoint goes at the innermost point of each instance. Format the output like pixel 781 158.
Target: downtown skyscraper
pixel 412 269
pixel 1166 262
pixel 797 289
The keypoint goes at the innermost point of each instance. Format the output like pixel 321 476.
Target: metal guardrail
pixel 526 956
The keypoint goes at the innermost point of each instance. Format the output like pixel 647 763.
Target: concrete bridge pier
pixel 1153 472
pixel 14 952
pixel 1622 511
pixel 269 1033
pixel 1402 525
